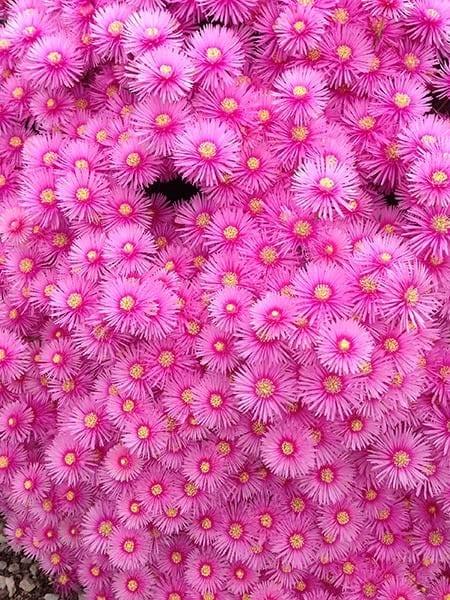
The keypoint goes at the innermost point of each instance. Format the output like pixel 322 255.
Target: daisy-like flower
pixel 329 482
pixel 126 206
pixel 98 524
pixel 321 292
pixel 133 164
pixel 67 461
pixel 296 541
pixel 347 54
pixel 273 316
pixel 205 571
pixel 148 29
pixel 30 484
pixel 400 459
pixel 299 28
pixel 206 152
pixel 256 169
pixel 217 55
pixel 80 195
pixel 158 124
pixel 288 450
pixel 72 301
pixel 108 31
pixel 328 393
pixel 263 391
pixel 344 346
pixel 401 99
pixel 59 359
pixel 204 467
pixel 300 93
pixel 343 520
pixel 428 230
pixel 410 296
pixel 229 308
pixel 429 21
pixel 429 179
pixel 431 541
pixel 128 549
pixel 324 188
pixel 213 404
pixel 132 583
pixel 216 350
pixel 228 229
pixel 128 250
pixel 54 61
pixel 146 435
pixel 89 424
pixel 164 72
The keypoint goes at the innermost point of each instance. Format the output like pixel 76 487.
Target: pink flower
pixel 263 391
pixel 400 459
pixel 288 450
pixel 344 346
pixel 206 152
pixel 217 55
pixel 300 93
pixel 54 61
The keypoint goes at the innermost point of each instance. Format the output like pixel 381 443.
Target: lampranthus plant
pixel 224 316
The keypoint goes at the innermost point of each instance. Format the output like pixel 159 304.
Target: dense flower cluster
pixel 244 395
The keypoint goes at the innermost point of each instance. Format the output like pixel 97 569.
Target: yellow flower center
pixel 356 425
pixel 128 546
pixel 326 183
pixel 236 531
pixel 229 105
pixel 115 28
pixel 143 432
pixel 163 120
pixel 91 420
pixel 156 489
pixel 401 459
pixel 402 100
pixel 332 384
pixel 412 295
pixel 299 133
pixel 4 461
pixel 75 300
pixel 54 57
pixel 322 292
pixel 344 52
pixel 166 359
pixel 132 585
pixel 299 91
pixel 213 54
pixel 253 163
pixel 287 448
pixel 264 388
pixel 327 475
pixel 391 344
pixel 367 122
pixel 133 159
pixel 215 400
pixel 439 177
pixel 230 232
pixel 136 371
pixel 296 541
pixel 441 223
pixel 205 466
pixel 70 458
pixel 205 570
pixel 82 194
pixel 207 150
pixel 348 568
pixel 230 279
pixel 344 345
pixel 15 141
pixel 343 518
pixel 411 61
pixel 127 303
pixel 435 538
